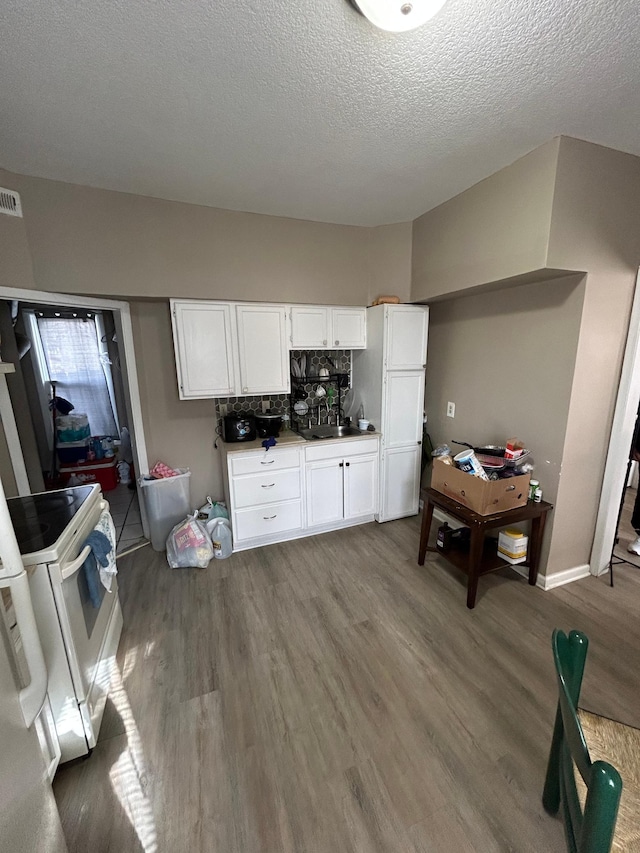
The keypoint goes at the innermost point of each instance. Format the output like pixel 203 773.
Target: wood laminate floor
pixel 331 696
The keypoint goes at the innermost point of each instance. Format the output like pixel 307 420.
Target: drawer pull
pixel 268 462
pixel 270 517
pixel 269 486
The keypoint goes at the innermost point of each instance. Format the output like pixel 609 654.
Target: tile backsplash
pixel 336 361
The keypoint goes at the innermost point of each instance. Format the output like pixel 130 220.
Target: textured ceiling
pixel 303 109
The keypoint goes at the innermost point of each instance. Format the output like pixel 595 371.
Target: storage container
pixel 71 428
pixel 103 472
pixel 72 451
pixel 482 497
pixel 166 502
pixel 512 545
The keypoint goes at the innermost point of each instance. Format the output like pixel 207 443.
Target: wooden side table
pixel 481 558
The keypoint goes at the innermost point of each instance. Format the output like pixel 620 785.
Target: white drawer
pixel 267 520
pixel 265 460
pixel 341 449
pixel 267 487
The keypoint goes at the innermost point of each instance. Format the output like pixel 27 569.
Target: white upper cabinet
pixel 406 344
pixel 262 349
pixel 309 327
pixel 348 328
pixel 203 343
pixel 319 327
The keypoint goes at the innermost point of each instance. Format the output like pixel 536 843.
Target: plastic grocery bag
pixel 220 531
pixel 189 544
pixel 214 509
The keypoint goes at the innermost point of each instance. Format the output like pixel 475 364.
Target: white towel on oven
pixel 105 525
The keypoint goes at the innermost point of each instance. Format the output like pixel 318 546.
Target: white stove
pixel 79 640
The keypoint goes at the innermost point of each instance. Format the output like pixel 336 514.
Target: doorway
pixel 85 345
pixel 616 473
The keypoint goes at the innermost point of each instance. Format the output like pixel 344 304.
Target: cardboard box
pixel 481 496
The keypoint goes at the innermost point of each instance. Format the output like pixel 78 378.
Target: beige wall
pixel 88 241
pixel 595 226
pixel 92 241
pixel 390 261
pixel 566 206
pixel 569 205
pixel 178 432
pixel 15 271
pixel 495 230
pixel 506 360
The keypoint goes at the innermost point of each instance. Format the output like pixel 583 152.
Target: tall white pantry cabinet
pixel 389 377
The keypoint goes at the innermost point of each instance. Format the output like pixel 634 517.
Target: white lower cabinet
pixel 263 489
pixel 341 482
pixel 400 482
pixel 297 490
pixel 325 492
pixel 267 521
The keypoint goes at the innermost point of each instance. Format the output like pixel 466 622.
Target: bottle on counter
pixel 533 485
pixel 537 495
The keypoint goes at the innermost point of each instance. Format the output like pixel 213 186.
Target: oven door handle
pixel 71 568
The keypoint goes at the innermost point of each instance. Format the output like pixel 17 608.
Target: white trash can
pixel 167 501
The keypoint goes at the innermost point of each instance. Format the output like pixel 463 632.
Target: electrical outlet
pixel 451 410
pixel 266 405
pixel 222 409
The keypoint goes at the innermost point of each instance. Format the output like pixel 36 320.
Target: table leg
pixel 427 516
pixel 475 558
pixel 537 531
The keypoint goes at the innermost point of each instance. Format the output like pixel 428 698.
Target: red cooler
pixel 101 471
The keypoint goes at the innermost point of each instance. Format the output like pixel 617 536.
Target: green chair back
pixel 589 829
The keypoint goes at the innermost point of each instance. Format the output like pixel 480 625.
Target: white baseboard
pixel 576 573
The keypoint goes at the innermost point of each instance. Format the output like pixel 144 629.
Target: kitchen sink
pixel 327 431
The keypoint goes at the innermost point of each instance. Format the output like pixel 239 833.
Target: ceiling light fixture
pixel 398 16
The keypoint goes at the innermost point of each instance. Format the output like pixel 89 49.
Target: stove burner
pixel 39 520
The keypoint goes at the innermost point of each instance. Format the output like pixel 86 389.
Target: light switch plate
pixel 451 410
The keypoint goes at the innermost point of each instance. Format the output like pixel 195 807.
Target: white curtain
pixel 75 364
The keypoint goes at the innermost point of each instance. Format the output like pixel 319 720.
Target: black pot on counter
pixel 268 425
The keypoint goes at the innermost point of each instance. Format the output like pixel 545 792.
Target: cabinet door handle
pixel 268 462
pixel 347 464
pixel 341 465
pixel 270 517
pixel 269 486
pixel 337 343
pixel 324 342
pixel 418 442
pixel 245 390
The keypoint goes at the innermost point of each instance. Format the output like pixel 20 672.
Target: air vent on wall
pixel 10 203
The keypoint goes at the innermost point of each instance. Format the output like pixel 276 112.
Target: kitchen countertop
pixel 291 439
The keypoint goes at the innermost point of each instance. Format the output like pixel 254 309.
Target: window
pixel 71 352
